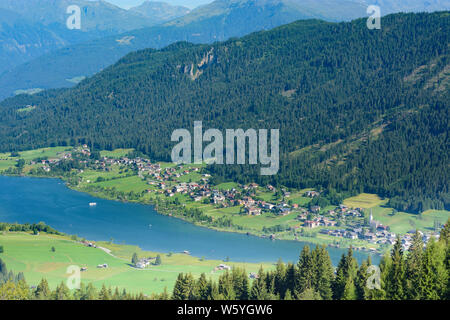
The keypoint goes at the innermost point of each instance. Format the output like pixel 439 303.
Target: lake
pixel 31 200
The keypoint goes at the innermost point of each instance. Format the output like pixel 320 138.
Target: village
pixel 340 222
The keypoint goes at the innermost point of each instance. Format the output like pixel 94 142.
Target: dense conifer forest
pixel 358 109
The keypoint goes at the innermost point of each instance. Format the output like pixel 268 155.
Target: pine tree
pixel 240 283
pixel 361 280
pixel 413 268
pixel 309 294
pixel 203 290
pixel 349 290
pixel 215 295
pixel 259 289
pixel 343 285
pixel 280 279
pixel 396 273
pixel 189 287
pixel 178 289
pixel 62 292
pixel 445 239
pixel 104 294
pixel 306 268
pixel 134 259
pixel 91 292
pixel 42 291
pixel 323 272
pixel 116 295
pixel 226 286
pixel 291 275
pixel 434 276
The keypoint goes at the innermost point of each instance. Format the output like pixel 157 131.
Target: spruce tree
pixel 361 280
pixel 323 272
pixel 203 290
pixel 445 239
pixel 134 259
pixel 240 283
pixel 104 294
pixel 179 288
pixel 42 291
pixel 280 279
pixel 434 277
pixel 291 275
pixel 343 285
pixel 306 274
pixel 396 274
pixel 259 287
pixel 413 268
pixel 226 286
pixel 62 292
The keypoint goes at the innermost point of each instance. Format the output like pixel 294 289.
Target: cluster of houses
pixel 408 238
pixel 342 221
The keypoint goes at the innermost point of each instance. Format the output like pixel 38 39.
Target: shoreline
pixel 304 241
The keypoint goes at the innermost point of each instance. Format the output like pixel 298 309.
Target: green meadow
pixel 33 256
pixel 399 222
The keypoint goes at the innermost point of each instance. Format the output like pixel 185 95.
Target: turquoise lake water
pixel 31 200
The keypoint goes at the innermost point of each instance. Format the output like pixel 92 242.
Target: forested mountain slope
pixel 359 110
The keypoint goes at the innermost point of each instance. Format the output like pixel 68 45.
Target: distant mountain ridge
pixel 31 28
pixel 160 12
pixel 217 21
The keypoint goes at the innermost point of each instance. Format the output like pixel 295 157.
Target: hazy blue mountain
pixel 31 28
pixel 21 40
pixel 216 21
pixel 160 12
pixel 96 16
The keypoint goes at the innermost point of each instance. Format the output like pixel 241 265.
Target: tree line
pixel 420 274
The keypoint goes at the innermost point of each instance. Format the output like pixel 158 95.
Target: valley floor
pixel 363 222
pixel 33 255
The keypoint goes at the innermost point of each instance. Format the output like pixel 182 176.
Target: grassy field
pixel 117 153
pixel 364 200
pixel 128 184
pixel 33 256
pixel 6 161
pixel 402 222
pixel 399 222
